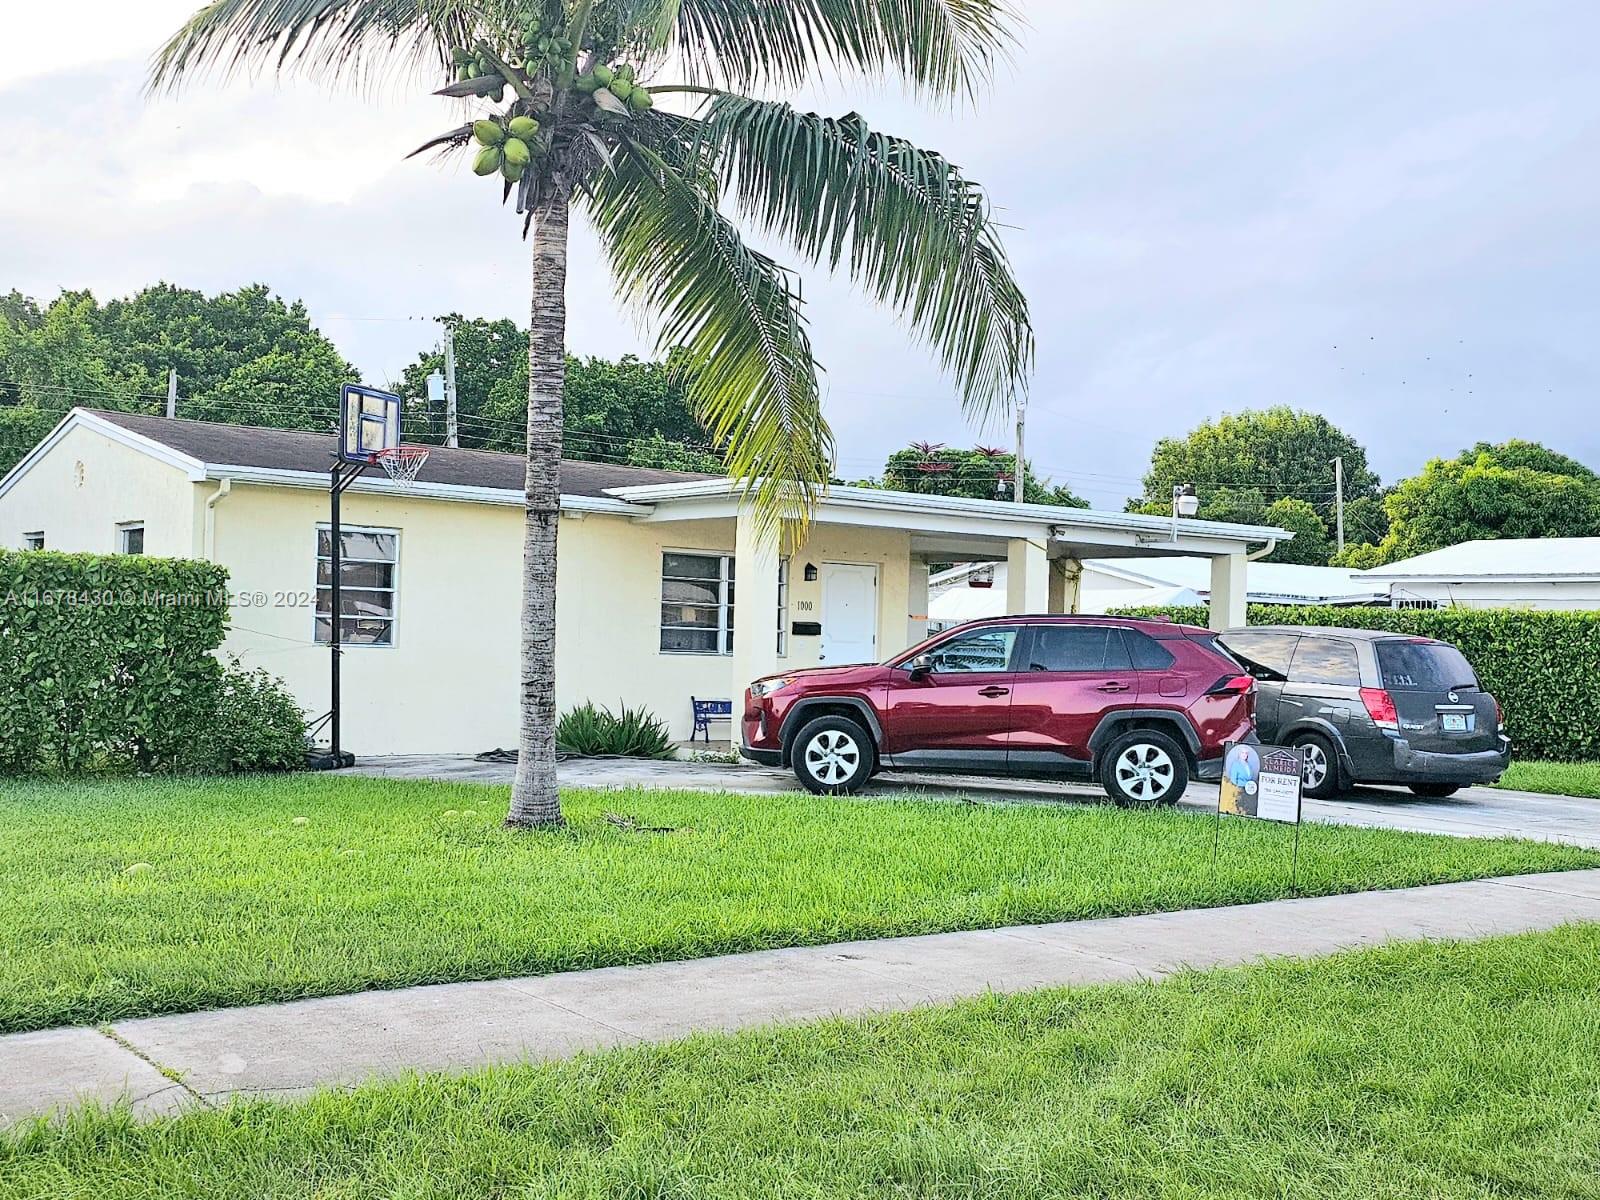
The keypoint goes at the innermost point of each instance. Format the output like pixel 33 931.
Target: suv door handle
pixel 993 691
pixel 1114 686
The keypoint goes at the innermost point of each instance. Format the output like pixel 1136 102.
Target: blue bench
pixel 707 711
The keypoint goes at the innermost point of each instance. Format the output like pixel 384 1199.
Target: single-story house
pixel 665 591
pixel 1497 573
pixel 971 590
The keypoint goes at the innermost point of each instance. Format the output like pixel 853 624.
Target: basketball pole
pixel 341 476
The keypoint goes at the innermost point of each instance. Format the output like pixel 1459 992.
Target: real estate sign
pixel 1262 782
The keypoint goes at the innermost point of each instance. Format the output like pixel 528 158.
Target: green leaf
pixel 749 369
pixel 902 220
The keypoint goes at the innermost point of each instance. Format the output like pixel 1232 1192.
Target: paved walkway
pixel 1472 812
pixel 164 1064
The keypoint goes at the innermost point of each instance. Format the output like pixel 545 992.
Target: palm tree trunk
pixel 534 799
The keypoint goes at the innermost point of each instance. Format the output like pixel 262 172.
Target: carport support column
pixel 1228 591
pixel 1065 574
pixel 1027 577
pixel 755 610
pixel 917 603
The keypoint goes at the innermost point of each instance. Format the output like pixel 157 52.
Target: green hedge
pixel 1543 667
pixel 108 660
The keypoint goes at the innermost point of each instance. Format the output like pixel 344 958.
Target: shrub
pixel 108 662
pixel 1543 667
pixel 256 724
pixel 106 659
pixel 588 731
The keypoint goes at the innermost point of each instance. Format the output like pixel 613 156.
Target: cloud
pixel 1207 199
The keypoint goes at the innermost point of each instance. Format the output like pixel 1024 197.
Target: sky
pixel 1385 213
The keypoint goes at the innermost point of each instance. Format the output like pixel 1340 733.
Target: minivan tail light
pixel 1232 685
pixel 1380 707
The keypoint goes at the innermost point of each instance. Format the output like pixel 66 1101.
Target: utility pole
pixel 1338 499
pixel 1019 482
pixel 451 438
pixel 172 393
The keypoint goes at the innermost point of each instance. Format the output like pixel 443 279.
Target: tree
pixel 1278 452
pixel 1484 493
pixel 582 125
pixel 608 407
pixel 246 357
pixel 981 473
pixel 1312 544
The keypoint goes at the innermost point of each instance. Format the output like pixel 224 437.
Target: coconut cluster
pixel 618 82
pixel 508 146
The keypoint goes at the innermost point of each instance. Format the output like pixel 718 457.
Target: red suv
pixel 1139 705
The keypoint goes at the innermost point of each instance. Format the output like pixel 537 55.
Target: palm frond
pixel 942 46
pixel 749 369
pixel 903 221
pixel 341 38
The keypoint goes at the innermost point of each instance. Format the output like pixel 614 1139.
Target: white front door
pixel 849 613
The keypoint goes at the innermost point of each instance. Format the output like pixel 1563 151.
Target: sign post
pixel 1262 782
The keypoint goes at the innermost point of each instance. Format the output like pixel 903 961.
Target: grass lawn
pixel 1554 778
pixel 1444 1071
pixel 388 883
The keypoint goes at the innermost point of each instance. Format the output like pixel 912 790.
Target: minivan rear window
pixel 1424 667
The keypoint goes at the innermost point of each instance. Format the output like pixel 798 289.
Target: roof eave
pixel 665 495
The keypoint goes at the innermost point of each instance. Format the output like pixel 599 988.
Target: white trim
pixel 845 497
pixel 721 498
pixel 80 418
pixel 383 485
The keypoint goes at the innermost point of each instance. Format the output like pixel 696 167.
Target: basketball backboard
pixel 369 421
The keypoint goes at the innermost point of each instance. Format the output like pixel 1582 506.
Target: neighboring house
pixel 664 592
pixel 1503 573
pixel 973 590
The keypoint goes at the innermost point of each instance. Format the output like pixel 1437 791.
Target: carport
pixel 1042 545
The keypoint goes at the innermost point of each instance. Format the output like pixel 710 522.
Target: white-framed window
pixel 783 608
pixel 369 564
pixel 130 537
pixel 34 540
pixel 696 602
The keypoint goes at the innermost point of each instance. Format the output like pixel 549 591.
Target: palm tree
pixel 581 125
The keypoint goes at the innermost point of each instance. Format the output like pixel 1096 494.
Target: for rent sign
pixel 1261 781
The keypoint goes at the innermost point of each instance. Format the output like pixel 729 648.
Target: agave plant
pixel 902 221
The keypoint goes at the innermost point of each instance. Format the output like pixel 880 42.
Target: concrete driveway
pixel 1472 812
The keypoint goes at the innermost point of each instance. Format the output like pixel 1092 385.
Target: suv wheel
pixel 1319 776
pixel 1144 768
pixel 832 755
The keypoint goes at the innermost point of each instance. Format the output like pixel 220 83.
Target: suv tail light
pixel 1499 716
pixel 1234 684
pixel 1380 707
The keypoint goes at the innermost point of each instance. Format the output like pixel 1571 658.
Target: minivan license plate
pixel 1454 722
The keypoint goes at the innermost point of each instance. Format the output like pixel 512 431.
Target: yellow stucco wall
pixel 449 682
pixel 86 485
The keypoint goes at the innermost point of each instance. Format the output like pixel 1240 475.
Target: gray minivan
pixel 1372 707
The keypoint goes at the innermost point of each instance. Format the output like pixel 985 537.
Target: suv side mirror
pixel 921 666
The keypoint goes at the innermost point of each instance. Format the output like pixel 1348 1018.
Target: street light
pixel 1185 503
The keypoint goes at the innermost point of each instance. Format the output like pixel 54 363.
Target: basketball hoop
pixel 401 463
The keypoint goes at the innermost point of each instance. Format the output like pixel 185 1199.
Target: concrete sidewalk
pixel 165 1064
